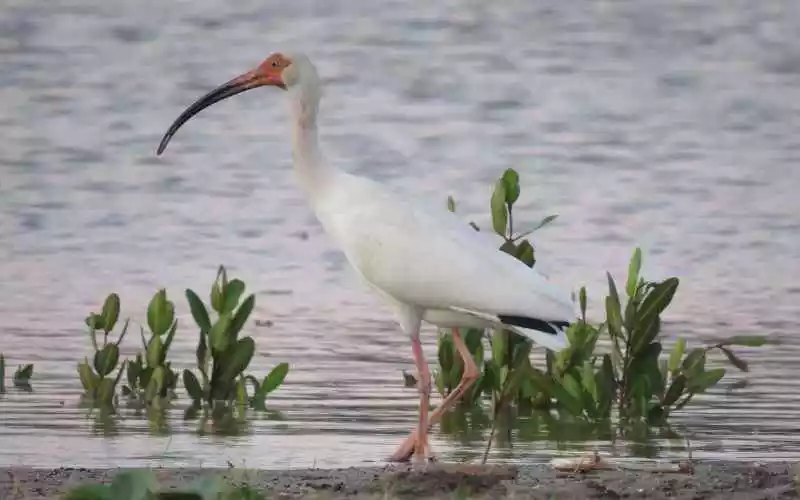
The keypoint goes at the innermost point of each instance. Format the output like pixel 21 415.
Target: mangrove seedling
pixel 99 383
pixel 150 377
pixel 634 378
pixel 22 377
pixel 582 382
pixel 222 357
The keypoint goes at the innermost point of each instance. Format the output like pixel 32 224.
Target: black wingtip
pixel 550 327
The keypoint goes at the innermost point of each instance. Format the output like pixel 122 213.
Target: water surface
pixel 668 125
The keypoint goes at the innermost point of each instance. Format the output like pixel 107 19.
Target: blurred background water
pixel 672 125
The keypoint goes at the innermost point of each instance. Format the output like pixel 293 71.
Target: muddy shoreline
pixel 714 480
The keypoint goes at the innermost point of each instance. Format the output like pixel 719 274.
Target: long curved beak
pixel 247 81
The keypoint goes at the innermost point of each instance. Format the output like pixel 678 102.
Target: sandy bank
pixel 709 481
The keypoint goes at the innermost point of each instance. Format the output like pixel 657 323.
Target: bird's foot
pixel 413 448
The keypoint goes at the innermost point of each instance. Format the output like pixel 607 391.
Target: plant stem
pixel 509 236
pixel 93 337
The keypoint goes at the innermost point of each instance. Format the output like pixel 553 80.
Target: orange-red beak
pixel 259 77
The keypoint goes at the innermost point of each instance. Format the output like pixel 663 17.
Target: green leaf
pixel 199 312
pixel 156 384
pixel 676 354
pixel 144 377
pixel 219 337
pixel 655 303
pixel 201 352
pixel 25 372
pixel 746 340
pixel 588 381
pixel 545 221
pixel 571 384
pixel 582 301
pixel 613 318
pixel 567 400
pixel 612 304
pixel 445 352
pixel 511 181
pixel 94 321
pixel 105 391
pixel 90 492
pixel 499 209
pixel 633 273
pixel 704 381
pixel 241 392
pixel 168 341
pixel 240 318
pixel 605 384
pixel 155 349
pixel 192 386
pixel 239 358
pixel 211 488
pixel 735 360
pixel 525 253
pixel 641 338
pixel 275 378
pixel 694 361
pixel 137 484
pixel 542 223
pixel 105 360
pixel 645 365
pixel 217 290
pixel 233 292
pixel 509 247
pixel 110 312
pixel 160 313
pixel 451 204
pixel 216 298
pixel 22 377
pixel 89 380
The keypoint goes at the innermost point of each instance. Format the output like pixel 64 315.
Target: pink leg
pixel 471 374
pixel 421 447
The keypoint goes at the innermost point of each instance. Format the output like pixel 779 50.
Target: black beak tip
pixel 162 146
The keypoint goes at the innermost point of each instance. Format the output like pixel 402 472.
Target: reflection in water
pixel 671 127
pixel 472 427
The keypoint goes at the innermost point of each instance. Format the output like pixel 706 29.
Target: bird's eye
pixel 276 63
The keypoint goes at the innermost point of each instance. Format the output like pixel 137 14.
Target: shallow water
pixel 669 125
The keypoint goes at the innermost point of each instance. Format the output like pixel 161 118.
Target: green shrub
pixel 633 379
pixel 222 357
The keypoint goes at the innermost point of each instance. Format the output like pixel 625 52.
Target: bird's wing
pixel 432 259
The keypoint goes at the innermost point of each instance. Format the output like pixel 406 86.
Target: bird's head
pixel 277 70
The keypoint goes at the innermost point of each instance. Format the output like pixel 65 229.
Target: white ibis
pixel 429 266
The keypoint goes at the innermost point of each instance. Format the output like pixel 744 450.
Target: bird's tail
pixel 551 335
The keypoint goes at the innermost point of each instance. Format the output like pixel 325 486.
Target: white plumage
pixel 426 263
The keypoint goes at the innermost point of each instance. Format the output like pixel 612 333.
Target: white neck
pixel 309 165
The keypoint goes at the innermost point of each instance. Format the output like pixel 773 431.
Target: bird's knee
pixel 424 386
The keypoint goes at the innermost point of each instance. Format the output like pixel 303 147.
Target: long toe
pixel 405 450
